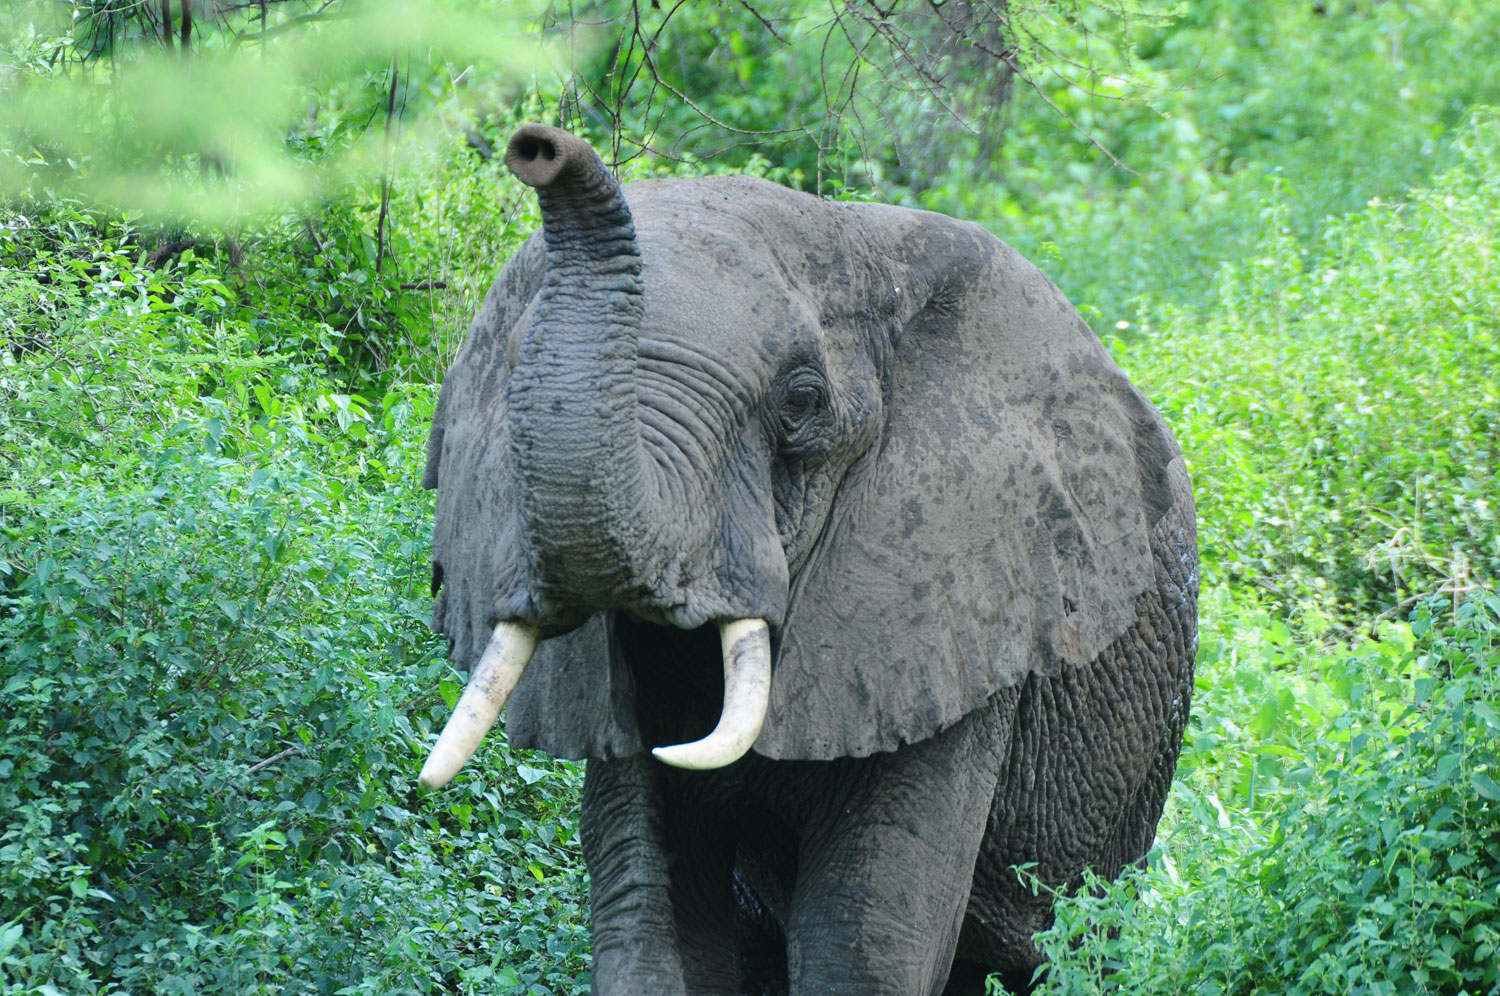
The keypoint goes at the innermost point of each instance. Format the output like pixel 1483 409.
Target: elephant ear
pixel 1000 526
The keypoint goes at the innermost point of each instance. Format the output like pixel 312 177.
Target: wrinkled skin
pixel 888 436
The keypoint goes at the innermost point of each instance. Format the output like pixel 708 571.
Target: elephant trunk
pixel 589 499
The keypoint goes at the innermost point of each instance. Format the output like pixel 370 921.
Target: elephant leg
pixel 663 901
pixel 969 978
pixel 634 927
pixel 1094 750
pixel 703 901
pixel 884 869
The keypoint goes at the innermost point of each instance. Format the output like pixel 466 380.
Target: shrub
pixel 215 650
pixel 222 683
pixel 1380 874
pixel 1338 408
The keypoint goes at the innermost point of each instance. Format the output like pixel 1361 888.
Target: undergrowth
pixel 1370 863
pixel 1335 826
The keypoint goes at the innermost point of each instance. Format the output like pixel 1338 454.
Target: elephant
pixel 837 543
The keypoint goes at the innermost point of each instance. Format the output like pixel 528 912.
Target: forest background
pixel 239 243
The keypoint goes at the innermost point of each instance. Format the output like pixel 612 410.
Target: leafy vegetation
pixel 1334 824
pixel 1358 853
pixel 213 553
pixel 216 592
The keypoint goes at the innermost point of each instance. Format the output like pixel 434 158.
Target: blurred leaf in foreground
pixel 222 113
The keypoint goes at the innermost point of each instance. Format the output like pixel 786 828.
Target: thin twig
pixel 763 20
pixel 281 756
pixel 385 176
pixel 291 24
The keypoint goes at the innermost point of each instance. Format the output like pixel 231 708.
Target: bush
pixel 222 684
pixel 1282 114
pixel 213 558
pixel 1338 405
pixel 1333 827
pixel 1380 874
pixel 214 574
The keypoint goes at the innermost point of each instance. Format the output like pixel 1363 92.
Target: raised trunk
pixel 589 503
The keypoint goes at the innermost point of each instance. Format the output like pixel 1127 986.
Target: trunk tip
pixel 539 155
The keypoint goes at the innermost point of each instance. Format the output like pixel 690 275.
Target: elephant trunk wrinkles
pixel 588 489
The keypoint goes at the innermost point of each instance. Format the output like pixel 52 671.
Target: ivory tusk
pixel 747 691
pixel 494 678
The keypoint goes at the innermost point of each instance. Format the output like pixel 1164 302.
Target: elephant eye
pixel 803 404
pixel 804 398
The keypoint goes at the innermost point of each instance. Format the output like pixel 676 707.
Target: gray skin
pixel 889 436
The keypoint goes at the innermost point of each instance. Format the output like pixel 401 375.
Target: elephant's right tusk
pixel 494 678
pixel 747 691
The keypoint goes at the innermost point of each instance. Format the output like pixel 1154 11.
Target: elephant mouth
pixel 669 664
pixel 690 684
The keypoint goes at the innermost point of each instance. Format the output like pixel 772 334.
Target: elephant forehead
pixel 728 227
pixel 719 296
pixel 748 266
pixel 715 283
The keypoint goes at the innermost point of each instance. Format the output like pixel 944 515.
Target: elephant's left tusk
pixel 494 678
pixel 747 691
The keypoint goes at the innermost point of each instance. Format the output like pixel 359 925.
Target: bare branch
pixel 281 756
pixel 755 12
pixel 185 37
pixel 293 23
pixel 385 176
pixel 951 63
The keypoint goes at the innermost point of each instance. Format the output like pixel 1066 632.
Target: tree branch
pixel 385 176
pixel 282 756
pixel 185 36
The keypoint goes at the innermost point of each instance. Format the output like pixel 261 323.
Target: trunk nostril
pixel 529 150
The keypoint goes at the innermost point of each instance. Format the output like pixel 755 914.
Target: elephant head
pixel 873 447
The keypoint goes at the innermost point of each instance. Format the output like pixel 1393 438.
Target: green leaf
pixel 1485 786
pixel 10 936
pixel 1483 711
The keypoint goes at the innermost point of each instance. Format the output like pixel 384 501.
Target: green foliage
pixel 314 155
pixel 243 111
pixel 1339 412
pixel 1333 827
pixel 214 581
pixel 1265 116
pixel 1378 871
pixel 221 683
pixel 903 94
